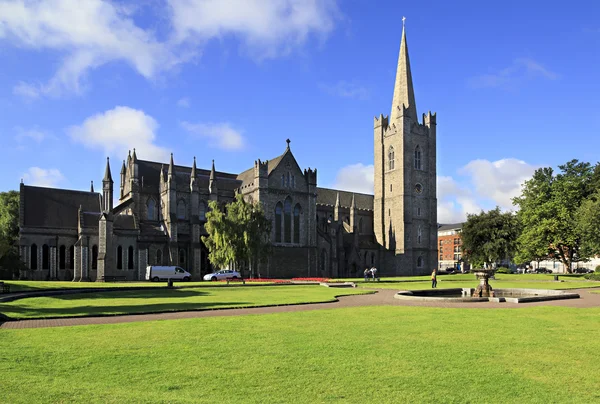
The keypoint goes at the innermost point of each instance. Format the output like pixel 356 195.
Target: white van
pixel 156 273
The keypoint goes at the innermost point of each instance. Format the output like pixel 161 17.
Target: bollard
pixel 556 278
pixel 170 283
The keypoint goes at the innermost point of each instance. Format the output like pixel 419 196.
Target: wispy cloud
pixel 184 102
pixel 355 178
pixel 27 135
pixel 520 70
pixel 42 177
pixel 220 135
pixel 98 32
pixel 346 89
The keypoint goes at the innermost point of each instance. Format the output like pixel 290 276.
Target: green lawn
pixel 17 286
pixel 163 300
pixel 499 283
pixel 355 355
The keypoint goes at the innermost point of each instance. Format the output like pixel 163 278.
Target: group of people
pixel 370 273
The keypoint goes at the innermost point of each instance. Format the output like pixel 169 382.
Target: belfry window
pixel 391 158
pixel 151 205
pixel 418 158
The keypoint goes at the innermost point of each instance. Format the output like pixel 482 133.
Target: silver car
pixel 223 274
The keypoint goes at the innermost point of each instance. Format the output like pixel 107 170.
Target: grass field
pixel 18 286
pixel 358 355
pixel 164 300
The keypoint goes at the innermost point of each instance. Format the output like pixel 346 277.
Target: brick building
pixel 450 247
pixel 160 214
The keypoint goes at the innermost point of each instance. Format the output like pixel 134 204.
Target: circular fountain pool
pixel 462 295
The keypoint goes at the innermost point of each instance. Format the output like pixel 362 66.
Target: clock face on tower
pixel 418 188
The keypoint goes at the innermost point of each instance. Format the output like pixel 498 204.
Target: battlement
pixel 429 119
pixel 381 120
pixel 311 176
pixel 261 168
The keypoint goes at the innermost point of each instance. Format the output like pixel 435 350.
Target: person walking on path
pixel 374 273
pixel 366 273
pixel 434 278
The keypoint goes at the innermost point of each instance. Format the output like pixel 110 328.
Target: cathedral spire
pixel 193 175
pixel 404 93
pixel 107 175
pixel 134 156
pixel 212 181
pixel 123 168
pixel 171 167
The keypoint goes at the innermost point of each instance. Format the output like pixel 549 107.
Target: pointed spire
pixel 337 200
pixel 212 181
pixel 212 171
pixel 92 187
pixel 107 175
pixel 123 168
pixel 403 89
pixel 353 204
pixel 171 166
pixel 193 175
pixel 162 172
pixel 134 156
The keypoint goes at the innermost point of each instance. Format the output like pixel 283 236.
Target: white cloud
pixel 520 70
pixel 355 178
pixel 346 89
pixel 26 135
pixel 118 130
pixel 41 177
pixel 88 35
pixel 268 28
pixel 92 33
pixel 454 201
pixel 219 135
pixel 499 181
pixel 184 102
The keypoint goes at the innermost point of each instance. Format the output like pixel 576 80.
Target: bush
pixel 597 269
pixel 593 276
pixel 503 270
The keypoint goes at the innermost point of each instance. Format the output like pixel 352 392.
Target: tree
pixel 10 263
pixel 550 210
pixel 239 234
pixel 489 236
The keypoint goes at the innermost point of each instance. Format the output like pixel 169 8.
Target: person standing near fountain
pixel 434 278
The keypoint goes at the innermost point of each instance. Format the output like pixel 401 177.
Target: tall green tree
pixel 10 262
pixel 550 210
pixel 489 237
pixel 237 234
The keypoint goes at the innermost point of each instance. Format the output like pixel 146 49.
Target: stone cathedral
pixel 317 232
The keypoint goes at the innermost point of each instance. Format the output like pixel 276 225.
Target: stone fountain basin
pixel 464 295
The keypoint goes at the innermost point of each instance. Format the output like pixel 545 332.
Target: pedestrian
pixel 434 278
pixel 366 273
pixel 374 273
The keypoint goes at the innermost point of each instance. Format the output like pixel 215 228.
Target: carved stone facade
pixel 160 215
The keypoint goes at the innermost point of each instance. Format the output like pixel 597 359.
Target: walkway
pixel 383 297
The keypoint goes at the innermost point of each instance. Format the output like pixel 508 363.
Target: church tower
pixel 405 204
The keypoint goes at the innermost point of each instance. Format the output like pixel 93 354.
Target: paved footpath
pixel 383 297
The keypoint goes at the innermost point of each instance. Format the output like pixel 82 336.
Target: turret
pixel 193 178
pixel 123 172
pixel 107 188
pixel 171 172
pixel 212 183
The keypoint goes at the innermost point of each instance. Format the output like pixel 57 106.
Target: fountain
pixel 485 293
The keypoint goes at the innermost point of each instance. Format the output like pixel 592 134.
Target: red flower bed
pixel 268 280
pixel 311 279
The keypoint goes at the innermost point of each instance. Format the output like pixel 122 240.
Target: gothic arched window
pixel 417 158
pixel 119 257
pixel 420 262
pixel 151 206
pixel 72 257
pixel 278 213
pixel 45 257
pixel 181 209
pixel 130 257
pixel 62 257
pixel 202 210
pixel 297 212
pixel 287 220
pixel 34 256
pixel 391 158
pixel 95 257
pixel 419 235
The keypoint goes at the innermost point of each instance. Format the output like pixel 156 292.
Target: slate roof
pixel 150 170
pixel 248 175
pixel 58 208
pixel 454 226
pixel 327 196
pixel 124 222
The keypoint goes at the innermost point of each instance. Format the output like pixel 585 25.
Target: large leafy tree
pixel 9 234
pixel 489 237
pixel 237 234
pixel 550 212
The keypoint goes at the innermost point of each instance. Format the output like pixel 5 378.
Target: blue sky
pixel 515 86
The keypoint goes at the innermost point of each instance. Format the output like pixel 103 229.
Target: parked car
pixel 543 270
pixel 583 271
pixel 156 273
pixel 223 274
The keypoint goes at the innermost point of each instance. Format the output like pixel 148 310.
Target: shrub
pixel 594 276
pixel 597 270
pixel 503 270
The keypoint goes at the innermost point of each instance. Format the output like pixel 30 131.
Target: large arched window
pixel 297 213
pixel 417 158
pixel 287 220
pixel 119 257
pixel 391 158
pixel 95 257
pixel 151 205
pixel 158 257
pixel 45 257
pixel 130 257
pixel 62 257
pixel 278 213
pixel 202 211
pixel 72 257
pixel 34 257
pixel 181 208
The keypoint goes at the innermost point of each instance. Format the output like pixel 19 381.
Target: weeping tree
pixel 238 234
pixel 489 237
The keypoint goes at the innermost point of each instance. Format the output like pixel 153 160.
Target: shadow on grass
pixel 162 293
pixel 17 312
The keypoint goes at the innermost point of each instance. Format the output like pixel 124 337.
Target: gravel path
pixel 383 297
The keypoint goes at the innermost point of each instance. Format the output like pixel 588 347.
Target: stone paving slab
pixel 383 297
